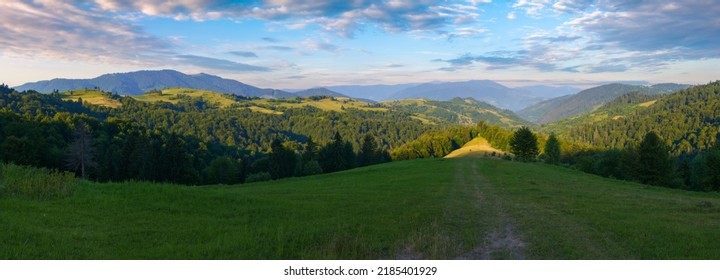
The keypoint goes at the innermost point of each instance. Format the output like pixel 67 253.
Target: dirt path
pixel 503 240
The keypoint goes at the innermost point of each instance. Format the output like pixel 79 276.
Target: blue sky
pixel 300 44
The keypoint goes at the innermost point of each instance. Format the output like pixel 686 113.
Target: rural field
pixel 460 208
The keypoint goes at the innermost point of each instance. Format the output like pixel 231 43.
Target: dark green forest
pixel 192 142
pixel 671 142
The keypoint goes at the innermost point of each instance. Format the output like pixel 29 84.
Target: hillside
pixel 616 109
pixel 421 209
pixel 319 92
pixel 587 100
pixel 688 121
pixel 139 82
pixel 465 111
pixel 482 90
pixel 478 147
pixel 95 97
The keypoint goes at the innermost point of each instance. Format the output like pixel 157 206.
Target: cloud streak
pixel 219 64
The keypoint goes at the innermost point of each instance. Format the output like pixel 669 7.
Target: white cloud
pixel 60 30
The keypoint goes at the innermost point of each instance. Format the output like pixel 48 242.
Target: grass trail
pixel 466 208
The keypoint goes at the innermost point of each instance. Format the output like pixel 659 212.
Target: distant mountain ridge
pixel 482 90
pixel 139 82
pixel 588 100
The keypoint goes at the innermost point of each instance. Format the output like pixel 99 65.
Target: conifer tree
pixel 524 144
pixel 654 166
pixel 552 150
pixel 82 151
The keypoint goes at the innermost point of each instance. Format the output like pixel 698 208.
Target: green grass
pixel 91 96
pixel 437 209
pixel 173 95
pixel 35 183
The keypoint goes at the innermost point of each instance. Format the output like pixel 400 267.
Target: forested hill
pixel 465 111
pixel 617 108
pixel 190 139
pixel 688 120
pixel 587 100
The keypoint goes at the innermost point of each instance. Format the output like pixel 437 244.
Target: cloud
pixel 219 64
pixel 679 29
pixel 511 15
pixel 603 68
pixel 341 17
pixel 270 39
pixel 324 46
pixel 277 48
pixel 244 54
pixel 60 30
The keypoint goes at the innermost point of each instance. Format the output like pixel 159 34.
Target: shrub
pixel 258 177
pixel 35 183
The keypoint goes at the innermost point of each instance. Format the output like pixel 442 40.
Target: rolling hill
pixel 687 120
pixel 482 90
pixel 465 111
pixel 617 109
pixel 587 100
pixel 139 82
pixel 419 209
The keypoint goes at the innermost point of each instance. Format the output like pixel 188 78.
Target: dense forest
pixel 687 120
pixel 192 141
pixel 669 141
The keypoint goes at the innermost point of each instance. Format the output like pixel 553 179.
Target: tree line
pixel 183 143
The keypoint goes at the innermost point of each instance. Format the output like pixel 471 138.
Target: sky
pixel 291 44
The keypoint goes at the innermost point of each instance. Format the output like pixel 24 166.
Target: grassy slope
pixel 171 95
pixel 439 208
pixel 95 97
pixel 476 147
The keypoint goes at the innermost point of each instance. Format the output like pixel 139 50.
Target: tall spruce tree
pixel 82 151
pixel 711 181
pixel 552 150
pixel 524 144
pixel 654 166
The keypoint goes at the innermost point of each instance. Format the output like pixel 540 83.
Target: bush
pixel 312 168
pixel 35 183
pixel 258 177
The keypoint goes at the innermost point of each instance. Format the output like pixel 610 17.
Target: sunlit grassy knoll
pixel 174 95
pixel 91 96
pixel 478 146
pixel 327 104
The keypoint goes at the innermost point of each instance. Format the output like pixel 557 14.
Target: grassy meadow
pixel 464 208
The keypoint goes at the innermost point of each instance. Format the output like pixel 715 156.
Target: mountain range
pixel 136 83
pixel 139 82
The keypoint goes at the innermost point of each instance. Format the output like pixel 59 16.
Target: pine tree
pixel 552 150
pixel 369 153
pixel 711 180
pixel 82 151
pixel 524 144
pixel 654 166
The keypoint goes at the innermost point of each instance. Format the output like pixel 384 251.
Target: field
pixel 172 95
pixel 464 208
pixel 95 97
